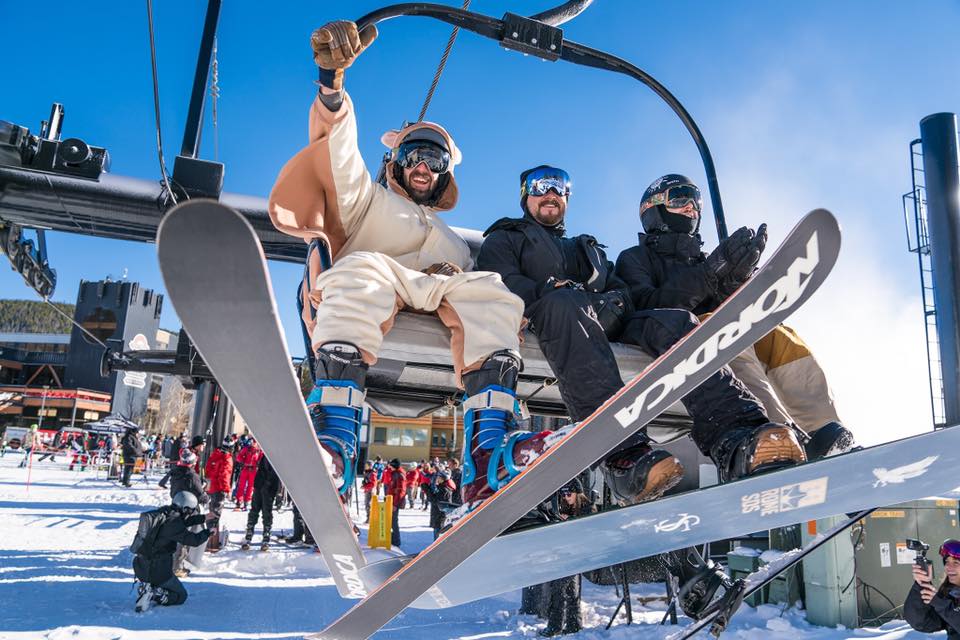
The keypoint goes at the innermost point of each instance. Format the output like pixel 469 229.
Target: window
pixel 380 435
pixel 397 437
pixel 48 413
pixel 91 415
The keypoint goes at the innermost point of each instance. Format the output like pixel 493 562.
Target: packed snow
pixel 65 572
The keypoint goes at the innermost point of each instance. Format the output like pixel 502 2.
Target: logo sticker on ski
pixel 686 520
pixel 782 294
pixel 786 498
pixel 348 569
pixel 897 475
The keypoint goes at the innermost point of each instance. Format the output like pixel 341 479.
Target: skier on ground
pixel 132 449
pixel 219 472
pixel 672 283
pixel 248 458
pixel 369 486
pixel 30 441
pixel 929 609
pixel 183 478
pixel 391 250
pixel 395 485
pixel 153 563
pixel 440 490
pixel 265 487
pixel 413 483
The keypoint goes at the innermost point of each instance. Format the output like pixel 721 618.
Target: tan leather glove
pixel 442 269
pixel 336 45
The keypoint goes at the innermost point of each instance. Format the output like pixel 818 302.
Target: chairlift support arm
pixel 547 42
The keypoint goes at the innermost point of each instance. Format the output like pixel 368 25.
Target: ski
pixel 217 278
pixel 782 285
pixel 719 612
pixel 890 473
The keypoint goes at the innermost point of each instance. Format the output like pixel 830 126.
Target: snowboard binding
pixel 700 580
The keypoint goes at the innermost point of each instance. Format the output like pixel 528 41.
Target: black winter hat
pixel 197 441
pixel 395 463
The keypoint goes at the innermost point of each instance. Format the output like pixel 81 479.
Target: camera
pixel 46 152
pixel 920 548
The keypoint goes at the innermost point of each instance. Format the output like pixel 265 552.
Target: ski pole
pixel 29 467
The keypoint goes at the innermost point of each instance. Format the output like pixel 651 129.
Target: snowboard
pixel 781 286
pixel 217 279
pixel 890 473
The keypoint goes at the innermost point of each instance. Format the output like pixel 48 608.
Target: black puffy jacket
pixel 132 447
pixel 526 255
pixel 943 612
pixel 668 271
pixel 266 479
pixel 155 565
pixel 184 478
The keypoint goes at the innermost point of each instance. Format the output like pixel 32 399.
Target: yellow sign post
pixel 381 522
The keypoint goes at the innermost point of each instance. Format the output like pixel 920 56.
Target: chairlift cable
pixel 76 324
pixel 156 104
pixel 214 94
pixel 443 63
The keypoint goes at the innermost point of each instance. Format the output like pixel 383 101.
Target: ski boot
pixel 639 473
pixel 144 597
pixel 247 538
pixel 493 456
pixel 265 541
pixel 746 451
pixel 336 407
pixel 829 440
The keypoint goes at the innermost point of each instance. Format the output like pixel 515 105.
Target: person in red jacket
pixel 369 486
pixel 413 482
pixel 249 457
pixel 395 483
pixel 219 472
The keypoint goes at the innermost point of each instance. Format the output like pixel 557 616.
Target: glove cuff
pixel 331 78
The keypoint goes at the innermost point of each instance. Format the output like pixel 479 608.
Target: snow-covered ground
pixel 65 573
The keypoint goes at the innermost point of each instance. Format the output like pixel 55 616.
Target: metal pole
pixel 191 132
pixel 941 171
pixel 43 404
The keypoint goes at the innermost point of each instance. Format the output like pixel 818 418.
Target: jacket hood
pixel 392 139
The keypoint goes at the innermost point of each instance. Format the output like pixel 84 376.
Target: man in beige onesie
pixel 390 250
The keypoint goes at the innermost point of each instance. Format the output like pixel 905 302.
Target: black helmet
pixel 654 215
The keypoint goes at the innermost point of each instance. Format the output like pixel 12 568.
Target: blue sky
pixel 803 105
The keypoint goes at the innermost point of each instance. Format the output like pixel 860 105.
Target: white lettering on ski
pixel 781 295
pixel 348 570
pixel 686 520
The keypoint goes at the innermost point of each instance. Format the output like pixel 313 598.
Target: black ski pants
pixel 718 405
pixel 127 471
pixel 176 592
pixel 577 349
pixel 262 501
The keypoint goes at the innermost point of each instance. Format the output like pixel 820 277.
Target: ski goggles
pixel 540 181
pixel 950 548
pixel 409 154
pixel 675 199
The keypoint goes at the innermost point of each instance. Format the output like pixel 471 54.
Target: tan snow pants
pixel 782 372
pixel 362 293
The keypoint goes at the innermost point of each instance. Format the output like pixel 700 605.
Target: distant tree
pixel 33 316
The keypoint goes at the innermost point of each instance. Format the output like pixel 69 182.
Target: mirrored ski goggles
pixel 410 154
pixel 950 548
pixel 675 199
pixel 540 181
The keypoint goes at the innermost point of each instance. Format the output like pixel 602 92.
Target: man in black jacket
pixel 672 283
pixel 132 449
pixel 930 609
pixel 153 565
pixel 575 304
pixel 265 487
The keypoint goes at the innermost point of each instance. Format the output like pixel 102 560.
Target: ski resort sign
pixel 137 379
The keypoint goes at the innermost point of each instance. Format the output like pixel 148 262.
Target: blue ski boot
pixel 336 406
pixel 495 450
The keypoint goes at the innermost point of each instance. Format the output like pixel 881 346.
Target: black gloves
pixel 734 259
pixel 611 307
